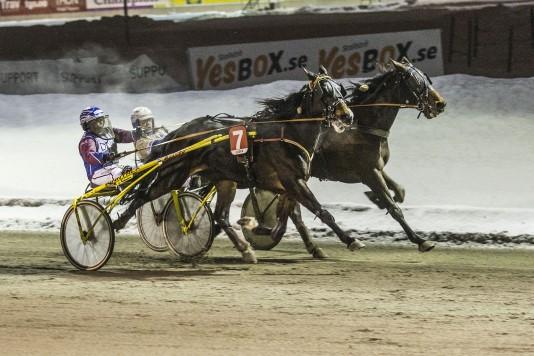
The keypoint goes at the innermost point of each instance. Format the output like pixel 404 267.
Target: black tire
pixel 200 236
pixel 96 251
pixel 267 202
pixel 150 224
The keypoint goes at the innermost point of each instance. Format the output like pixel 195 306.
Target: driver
pixel 98 146
pixel 147 134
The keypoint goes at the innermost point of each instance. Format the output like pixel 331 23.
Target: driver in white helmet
pixel 98 146
pixel 147 133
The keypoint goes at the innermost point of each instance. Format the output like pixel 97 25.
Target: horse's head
pixel 419 87
pixel 323 94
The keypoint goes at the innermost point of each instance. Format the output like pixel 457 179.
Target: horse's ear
pixel 405 60
pixel 311 76
pixel 398 65
pixel 322 70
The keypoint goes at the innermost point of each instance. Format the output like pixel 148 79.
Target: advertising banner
pixel 18 7
pixel 207 2
pixel 114 4
pixel 11 7
pixel 68 5
pixel 231 66
pixel 85 75
pixel 28 7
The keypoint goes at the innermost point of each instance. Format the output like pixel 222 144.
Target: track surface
pixel 379 301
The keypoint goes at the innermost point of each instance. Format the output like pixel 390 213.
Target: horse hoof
pixel 426 246
pixel 319 253
pixel 356 245
pixel 249 256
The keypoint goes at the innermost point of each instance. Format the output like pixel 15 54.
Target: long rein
pixel 400 106
pixel 312 119
pixel 301 120
pixel 380 132
pixel 205 132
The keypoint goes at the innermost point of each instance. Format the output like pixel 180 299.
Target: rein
pixel 401 106
pixel 374 131
pixel 201 133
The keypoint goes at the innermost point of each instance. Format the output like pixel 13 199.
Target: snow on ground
pixel 468 171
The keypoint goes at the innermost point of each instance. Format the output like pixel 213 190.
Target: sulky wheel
pixel 150 223
pixel 188 228
pixel 87 237
pixel 260 237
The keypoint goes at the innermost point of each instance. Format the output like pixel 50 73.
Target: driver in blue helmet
pixel 98 146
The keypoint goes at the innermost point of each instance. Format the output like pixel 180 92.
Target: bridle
pixel 421 91
pixel 421 96
pixel 329 108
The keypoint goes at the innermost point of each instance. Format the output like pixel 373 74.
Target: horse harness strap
pixel 286 140
pixel 372 131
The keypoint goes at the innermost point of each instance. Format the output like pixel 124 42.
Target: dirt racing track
pixel 378 301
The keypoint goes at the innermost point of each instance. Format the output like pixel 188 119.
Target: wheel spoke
pixel 199 237
pixel 95 252
pixel 150 231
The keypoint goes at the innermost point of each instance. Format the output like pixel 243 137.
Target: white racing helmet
pixel 94 119
pixel 143 118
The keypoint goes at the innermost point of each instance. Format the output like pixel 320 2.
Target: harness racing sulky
pixel 271 151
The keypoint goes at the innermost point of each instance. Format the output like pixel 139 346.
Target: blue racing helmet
pixel 95 120
pixel 89 114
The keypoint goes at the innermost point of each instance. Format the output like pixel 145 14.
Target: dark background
pixel 492 40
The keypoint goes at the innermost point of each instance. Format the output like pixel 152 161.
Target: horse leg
pixel 283 208
pixel 299 189
pixel 127 214
pixel 225 195
pixel 398 189
pixel 289 208
pixel 377 183
pixel 312 249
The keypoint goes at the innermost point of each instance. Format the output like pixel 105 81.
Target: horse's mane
pixel 277 108
pixel 373 83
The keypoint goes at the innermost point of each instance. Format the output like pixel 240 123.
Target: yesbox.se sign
pixel 231 66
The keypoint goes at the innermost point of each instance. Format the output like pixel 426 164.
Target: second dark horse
pixel 277 165
pixel 360 154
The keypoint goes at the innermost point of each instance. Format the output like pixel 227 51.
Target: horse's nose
pixel 348 118
pixel 344 113
pixel 440 105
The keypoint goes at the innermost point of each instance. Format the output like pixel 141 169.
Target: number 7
pixel 239 134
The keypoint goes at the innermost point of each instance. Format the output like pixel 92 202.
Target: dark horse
pixel 359 155
pixel 280 163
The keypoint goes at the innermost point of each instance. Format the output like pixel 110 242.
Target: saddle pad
pixel 238 140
